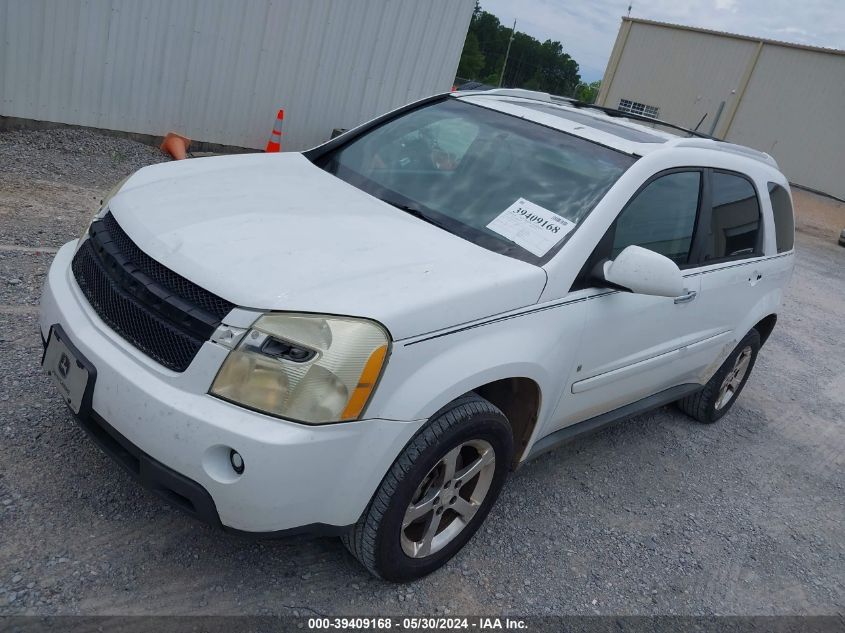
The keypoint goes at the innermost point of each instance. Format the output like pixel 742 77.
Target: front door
pixel 637 345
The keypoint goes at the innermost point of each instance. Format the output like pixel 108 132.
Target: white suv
pixel 363 339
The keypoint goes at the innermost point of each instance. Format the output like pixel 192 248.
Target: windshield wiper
pixel 414 211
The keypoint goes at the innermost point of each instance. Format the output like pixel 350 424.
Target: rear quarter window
pixel 784 218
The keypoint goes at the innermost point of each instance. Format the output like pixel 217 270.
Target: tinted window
pixel 662 217
pixel 735 222
pixel 784 220
pixel 463 165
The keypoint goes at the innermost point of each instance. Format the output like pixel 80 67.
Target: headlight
pixel 307 368
pixel 104 203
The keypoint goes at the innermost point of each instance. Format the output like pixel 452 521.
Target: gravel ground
pixel 72 156
pixel 657 515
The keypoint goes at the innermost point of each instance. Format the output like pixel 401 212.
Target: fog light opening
pixel 236 461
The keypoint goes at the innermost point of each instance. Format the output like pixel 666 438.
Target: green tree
pixel 493 41
pixel 588 93
pixel 531 64
pixel 472 59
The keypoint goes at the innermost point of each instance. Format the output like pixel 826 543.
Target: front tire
pixel 437 493
pixel 716 398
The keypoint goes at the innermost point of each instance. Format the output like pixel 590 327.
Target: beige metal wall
pixel 683 73
pixel 788 101
pixel 794 109
pixel 218 70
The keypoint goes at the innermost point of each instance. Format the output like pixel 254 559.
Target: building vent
pixel 635 107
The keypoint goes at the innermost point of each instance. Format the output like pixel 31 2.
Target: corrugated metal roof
pixel 217 70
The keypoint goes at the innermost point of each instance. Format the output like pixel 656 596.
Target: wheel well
pixel 519 400
pixel 765 326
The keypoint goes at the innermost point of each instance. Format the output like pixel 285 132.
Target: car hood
pixel 275 232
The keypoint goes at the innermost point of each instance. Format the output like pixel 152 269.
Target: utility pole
pixel 507 53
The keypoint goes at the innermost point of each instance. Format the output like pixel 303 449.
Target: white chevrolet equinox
pixel 365 338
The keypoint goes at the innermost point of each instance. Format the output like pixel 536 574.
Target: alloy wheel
pixel 448 498
pixel 733 379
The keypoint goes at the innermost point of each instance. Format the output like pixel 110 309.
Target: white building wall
pixel 218 70
pixel 781 99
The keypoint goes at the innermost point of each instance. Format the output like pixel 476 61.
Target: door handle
pixel 691 294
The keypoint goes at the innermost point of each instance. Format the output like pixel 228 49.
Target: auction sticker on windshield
pixel 531 226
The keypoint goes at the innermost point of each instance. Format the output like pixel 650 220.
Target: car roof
pixel 612 130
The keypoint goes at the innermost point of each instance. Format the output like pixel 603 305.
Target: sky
pixel 587 28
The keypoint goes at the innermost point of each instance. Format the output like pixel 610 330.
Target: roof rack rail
pixel 575 103
pixel 733 148
pixel 523 93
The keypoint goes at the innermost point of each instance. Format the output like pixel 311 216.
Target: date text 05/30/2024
pixel 420 623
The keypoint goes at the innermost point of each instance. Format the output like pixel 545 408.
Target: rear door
pixel 734 272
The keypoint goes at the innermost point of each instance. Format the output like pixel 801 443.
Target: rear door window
pixel 735 218
pixel 784 218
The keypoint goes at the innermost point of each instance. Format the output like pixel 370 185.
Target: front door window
pixel 662 217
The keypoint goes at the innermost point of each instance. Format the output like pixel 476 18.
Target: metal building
pixel 218 70
pixel 784 99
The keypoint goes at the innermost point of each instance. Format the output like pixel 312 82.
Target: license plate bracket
pixel 73 374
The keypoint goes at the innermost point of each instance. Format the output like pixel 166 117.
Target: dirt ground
pixel 656 515
pixel 818 215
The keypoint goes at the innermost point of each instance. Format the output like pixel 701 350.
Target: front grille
pixel 180 286
pixel 160 312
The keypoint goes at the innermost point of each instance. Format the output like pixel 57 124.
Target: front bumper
pixel 174 488
pixel 155 421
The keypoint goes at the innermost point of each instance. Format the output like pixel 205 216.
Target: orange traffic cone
pixel 275 142
pixel 176 145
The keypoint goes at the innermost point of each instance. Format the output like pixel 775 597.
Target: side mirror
pixel 644 272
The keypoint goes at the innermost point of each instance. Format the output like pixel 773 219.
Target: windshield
pixel 504 183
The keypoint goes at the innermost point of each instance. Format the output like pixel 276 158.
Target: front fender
pixel 426 373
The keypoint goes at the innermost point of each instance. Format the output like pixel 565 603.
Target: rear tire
pixel 717 397
pixel 425 509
